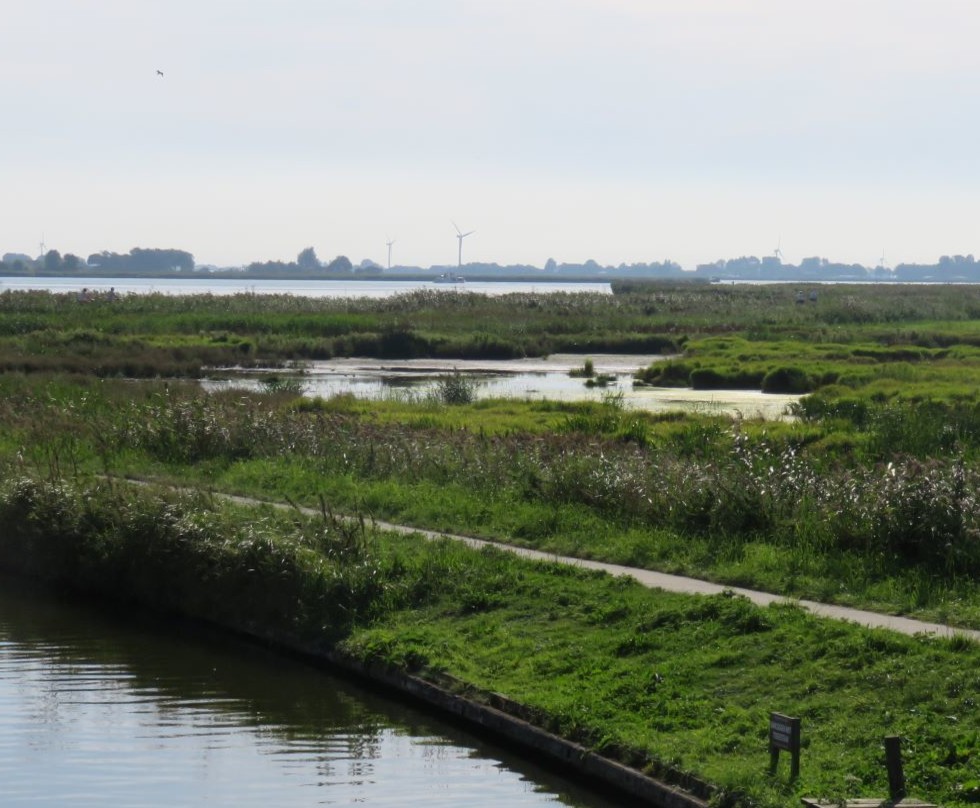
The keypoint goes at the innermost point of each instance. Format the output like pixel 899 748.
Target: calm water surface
pixel 99 709
pixel 343 288
pixel 534 379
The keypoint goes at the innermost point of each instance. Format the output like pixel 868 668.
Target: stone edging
pixel 584 762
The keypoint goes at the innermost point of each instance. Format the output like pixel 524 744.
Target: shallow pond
pixel 546 378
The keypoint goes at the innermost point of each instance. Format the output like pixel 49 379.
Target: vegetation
pixel 455 388
pixel 868 497
pixel 947 269
pixel 160 335
pixel 885 516
pixel 587 371
pixel 664 682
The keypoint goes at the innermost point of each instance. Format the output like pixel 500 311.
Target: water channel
pixel 101 708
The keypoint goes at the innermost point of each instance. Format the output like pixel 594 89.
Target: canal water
pixel 100 708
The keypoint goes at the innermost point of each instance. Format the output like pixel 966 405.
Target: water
pixel 308 288
pixel 534 379
pixel 512 379
pixel 102 710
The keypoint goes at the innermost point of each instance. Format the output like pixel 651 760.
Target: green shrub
pixel 666 374
pixel 587 371
pixel 787 380
pixel 455 388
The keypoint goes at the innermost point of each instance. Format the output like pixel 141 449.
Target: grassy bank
pixel 666 683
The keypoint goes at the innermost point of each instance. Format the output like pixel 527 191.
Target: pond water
pixel 534 379
pixel 373 379
pixel 100 709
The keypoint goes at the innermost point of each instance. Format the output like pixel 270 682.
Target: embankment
pixel 304 596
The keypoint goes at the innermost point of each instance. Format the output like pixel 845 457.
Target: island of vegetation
pixel 865 495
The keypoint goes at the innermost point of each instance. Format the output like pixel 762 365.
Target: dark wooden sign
pixel 784 735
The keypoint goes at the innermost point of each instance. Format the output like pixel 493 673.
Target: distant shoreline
pixel 346 278
pixel 612 277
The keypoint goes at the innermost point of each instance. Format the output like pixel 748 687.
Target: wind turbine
pixel 778 252
pixel 460 235
pixel 389 242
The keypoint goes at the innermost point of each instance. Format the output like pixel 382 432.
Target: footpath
pixel 676 583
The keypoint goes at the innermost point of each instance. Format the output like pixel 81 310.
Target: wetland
pixel 866 496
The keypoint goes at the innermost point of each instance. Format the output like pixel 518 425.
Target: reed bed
pixel 896 501
pixel 169 333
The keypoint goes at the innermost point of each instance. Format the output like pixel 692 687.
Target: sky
pixel 622 131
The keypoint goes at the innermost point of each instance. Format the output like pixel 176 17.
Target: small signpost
pixel 784 735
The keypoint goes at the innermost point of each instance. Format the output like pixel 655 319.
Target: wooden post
pixel 893 762
pixel 784 733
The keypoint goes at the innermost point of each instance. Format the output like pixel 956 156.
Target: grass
pixel 793 508
pixel 672 684
pixel 868 498
pixel 739 332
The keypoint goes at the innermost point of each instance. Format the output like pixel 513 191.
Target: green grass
pixel 869 498
pixel 800 509
pixel 671 684
pixel 740 332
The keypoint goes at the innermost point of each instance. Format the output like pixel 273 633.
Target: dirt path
pixel 675 583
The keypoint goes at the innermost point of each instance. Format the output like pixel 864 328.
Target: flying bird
pixel 159 72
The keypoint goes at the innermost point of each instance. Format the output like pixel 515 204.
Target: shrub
pixel 787 380
pixel 666 374
pixel 282 385
pixel 587 371
pixel 456 389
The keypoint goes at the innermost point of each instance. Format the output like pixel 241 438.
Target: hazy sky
pixel 617 130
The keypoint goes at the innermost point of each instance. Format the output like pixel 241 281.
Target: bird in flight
pixel 159 72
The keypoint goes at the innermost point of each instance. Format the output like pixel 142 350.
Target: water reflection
pixel 535 379
pixel 98 709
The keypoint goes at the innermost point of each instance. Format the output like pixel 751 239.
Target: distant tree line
pixel 306 263
pixel 143 261
pixel 137 261
pixel 552 269
pixel 949 269
pixel 772 268
pixel 663 269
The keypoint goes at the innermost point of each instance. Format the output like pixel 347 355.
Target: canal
pixel 106 707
